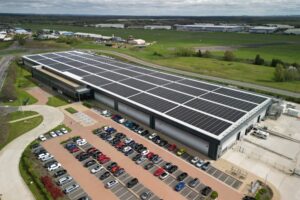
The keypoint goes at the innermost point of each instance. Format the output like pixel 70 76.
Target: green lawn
pixel 18 128
pixel 56 101
pixel 4 45
pixel 71 110
pixel 20 114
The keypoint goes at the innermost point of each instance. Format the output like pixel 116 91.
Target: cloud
pixel 153 7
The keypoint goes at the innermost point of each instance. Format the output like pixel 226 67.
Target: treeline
pixel 8 91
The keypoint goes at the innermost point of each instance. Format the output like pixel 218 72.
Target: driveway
pixel 12 186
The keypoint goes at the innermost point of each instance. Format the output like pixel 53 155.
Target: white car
pixel 54 167
pixel 81 142
pixel 106 113
pixel 152 136
pixel 96 169
pixel 58 132
pixel 111 184
pixel 42 138
pixel 141 160
pixel 127 140
pixel 122 120
pixel 145 152
pixel 42 155
pixel 53 134
pixel 64 131
pixel 126 149
pixel 64 180
pixel 164 175
pixel 195 160
pixel 199 163
pixel 47 158
pixel 71 188
pixel 106 127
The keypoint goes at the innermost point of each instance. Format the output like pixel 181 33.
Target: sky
pixel 154 7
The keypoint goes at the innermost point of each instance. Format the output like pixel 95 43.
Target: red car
pixel 74 150
pixel 101 156
pixel 172 147
pixel 159 172
pixel 150 155
pixel 114 169
pixel 120 144
pixel 104 160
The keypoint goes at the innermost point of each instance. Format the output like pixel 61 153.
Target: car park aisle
pixel 225 192
pixel 89 183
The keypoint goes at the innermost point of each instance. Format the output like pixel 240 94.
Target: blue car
pixel 179 186
pixel 128 124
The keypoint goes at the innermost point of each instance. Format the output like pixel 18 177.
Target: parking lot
pixel 161 188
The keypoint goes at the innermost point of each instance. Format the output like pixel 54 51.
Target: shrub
pixel 184 52
pixel 87 104
pixel 258 60
pixel 275 62
pixel 199 53
pixel 279 74
pixel 155 53
pixel 207 54
pixel 214 195
pixel 71 110
pixel 228 56
pixel 53 189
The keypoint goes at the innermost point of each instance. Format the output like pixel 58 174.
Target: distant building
pixel 65 33
pixel 88 35
pixel 152 27
pixel 210 28
pixel 137 42
pixel 47 36
pixel 2 36
pixel 21 31
pixel 109 25
pixel 281 26
pixel 294 31
pixel 263 29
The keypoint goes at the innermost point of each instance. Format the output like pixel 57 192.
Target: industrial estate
pixel 149 108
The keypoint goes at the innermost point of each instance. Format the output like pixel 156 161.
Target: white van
pixel 64 180
pixel 261 134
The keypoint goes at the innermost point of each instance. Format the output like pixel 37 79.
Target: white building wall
pixel 104 99
pixel 132 112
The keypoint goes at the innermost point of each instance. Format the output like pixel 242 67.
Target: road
pixel 205 77
pixel 4 63
pixel 12 186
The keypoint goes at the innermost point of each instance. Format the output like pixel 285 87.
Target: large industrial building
pixel 209 28
pixel 206 117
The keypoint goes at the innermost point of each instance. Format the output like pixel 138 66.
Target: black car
pixel 145 133
pixel 182 176
pixel 48 164
pixel 172 169
pixel 113 164
pixel 83 198
pixel 156 138
pixel 136 157
pixel 90 163
pixel 163 143
pixel 248 198
pixel 119 172
pixel 105 175
pixel 205 191
pixel 132 182
pixel 83 157
pixel 149 166
pixel 131 143
pixel 140 150
pixel 60 173
pixel 96 154
pixel 129 152
pixel 120 136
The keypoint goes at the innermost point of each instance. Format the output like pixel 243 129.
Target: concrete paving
pixel 12 186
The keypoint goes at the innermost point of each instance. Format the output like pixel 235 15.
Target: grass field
pixel 20 114
pixel 56 101
pixel 4 45
pixel 18 128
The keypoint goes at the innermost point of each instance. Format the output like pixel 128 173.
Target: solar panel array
pixel 209 107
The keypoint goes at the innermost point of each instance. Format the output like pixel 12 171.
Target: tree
pixel 214 195
pixel 258 60
pixel 279 73
pixel 275 62
pixel 207 54
pixel 228 56
pixel 199 53
pixel 21 39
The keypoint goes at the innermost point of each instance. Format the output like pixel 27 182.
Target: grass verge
pixel 71 110
pixel 20 114
pixel 56 101
pixel 18 128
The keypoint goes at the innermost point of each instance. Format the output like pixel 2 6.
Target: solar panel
pixel 120 89
pixel 198 84
pixel 94 70
pixel 62 59
pixel 128 72
pixel 106 66
pixel 166 76
pixel 142 70
pixel 243 105
pixel 113 76
pixel 60 67
pixel 153 80
pixel 153 102
pixel 169 94
pixel 215 109
pixel 77 64
pixel 50 55
pixel 47 62
pixel 205 122
pixel 241 95
pixel 78 72
pixel 95 80
pixel 138 84
pixel 185 89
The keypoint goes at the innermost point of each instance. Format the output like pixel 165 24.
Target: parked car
pixel 163 143
pixel 140 160
pixel 89 163
pixel 182 176
pixel 71 188
pixel 136 157
pixel 42 155
pixel 167 166
pixel 172 169
pixel 96 169
pixel 104 176
pixel 205 166
pixel 64 130
pixel 129 152
pixel 180 152
pixel 145 152
pixel 64 180
pixel 53 134
pixel 59 173
pixel 145 133
pixel 194 160
pixel 113 164
pixel 159 172
pixel 54 167
pixel 126 149
pixel 152 136
pixel 206 191
pixel 172 147
pixel 42 138
pixel 146 195
pixel 111 184
pixel 148 166
pixel 132 182
pixel 119 172
pixel 164 175
pixel 193 183
pixel 81 142
pixel 179 186
pixel 106 113
pixel 199 163
pixel 47 158
pixel 128 140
